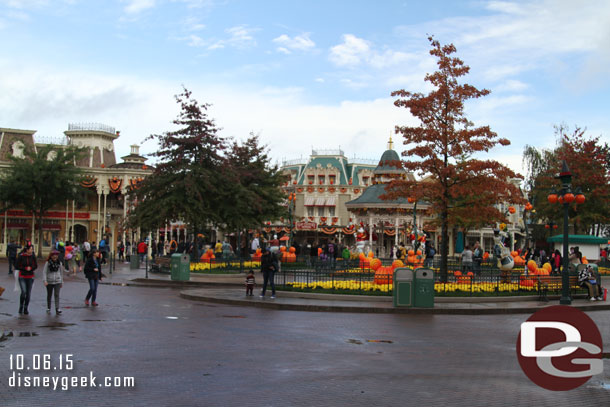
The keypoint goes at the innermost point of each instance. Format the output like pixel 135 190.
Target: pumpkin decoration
pixel 383 275
pixel 288 256
pixel 208 256
pixel 375 264
pixel 257 255
pixel 397 263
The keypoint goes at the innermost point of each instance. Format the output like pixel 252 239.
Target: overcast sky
pixel 302 74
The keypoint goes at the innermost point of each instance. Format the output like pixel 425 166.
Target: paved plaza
pixel 194 353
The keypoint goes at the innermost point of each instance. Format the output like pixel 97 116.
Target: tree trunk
pixel 39 216
pixel 444 245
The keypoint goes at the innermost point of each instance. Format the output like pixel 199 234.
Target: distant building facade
pixel 107 182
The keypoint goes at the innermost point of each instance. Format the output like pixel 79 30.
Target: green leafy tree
pixel 461 189
pixel 44 178
pixel 187 183
pixel 254 185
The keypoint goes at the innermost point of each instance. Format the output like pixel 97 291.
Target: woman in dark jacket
pixel 269 266
pixel 93 272
pixel 26 264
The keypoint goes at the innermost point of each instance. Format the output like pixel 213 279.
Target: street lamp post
pixel 565 197
pixel 292 197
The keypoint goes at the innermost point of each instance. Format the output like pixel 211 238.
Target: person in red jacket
pixel 26 264
pixel 142 249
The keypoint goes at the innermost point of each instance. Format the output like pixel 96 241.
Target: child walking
pixel 250 282
pixel 53 279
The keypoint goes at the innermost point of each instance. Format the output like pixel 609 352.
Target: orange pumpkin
pixel 383 275
pixel 397 263
pixel 375 264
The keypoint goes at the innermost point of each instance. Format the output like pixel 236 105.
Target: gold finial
pixel 390 143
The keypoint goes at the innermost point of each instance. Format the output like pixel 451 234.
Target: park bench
pixel 161 265
pixel 554 283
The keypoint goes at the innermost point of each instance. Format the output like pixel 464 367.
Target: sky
pixel 301 74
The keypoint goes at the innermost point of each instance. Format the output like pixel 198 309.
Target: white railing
pixel 327 152
pixel 91 127
pixel 365 161
pixel 296 161
pixel 59 141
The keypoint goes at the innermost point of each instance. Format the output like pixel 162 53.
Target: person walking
pixel 86 249
pixel 268 267
pixel 142 250
pixel 93 272
pixel 11 253
pixel 26 264
pixel 52 278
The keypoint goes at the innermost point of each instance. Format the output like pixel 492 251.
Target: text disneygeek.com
pixel 21 365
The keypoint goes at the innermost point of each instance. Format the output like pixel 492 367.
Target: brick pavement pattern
pixel 185 353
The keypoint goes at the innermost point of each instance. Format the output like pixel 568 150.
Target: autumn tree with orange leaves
pixel 462 190
pixel 589 160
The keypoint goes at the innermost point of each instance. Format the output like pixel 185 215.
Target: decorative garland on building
pixel 115 184
pixel 88 182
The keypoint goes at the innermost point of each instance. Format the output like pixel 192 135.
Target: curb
pixel 270 304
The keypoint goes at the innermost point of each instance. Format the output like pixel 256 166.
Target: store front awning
pixel 320 202
pixel 310 201
pixel 332 201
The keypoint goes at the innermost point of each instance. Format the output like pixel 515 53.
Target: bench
pixel 554 283
pixel 161 265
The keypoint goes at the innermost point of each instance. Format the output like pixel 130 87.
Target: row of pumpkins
pixel 520 260
pixel 287 256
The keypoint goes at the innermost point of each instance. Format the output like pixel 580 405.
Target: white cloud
pixel 240 36
pixel 511 85
pixel 192 24
pixel 298 43
pixel 24 4
pixel 47 99
pixel 351 52
pixel 195 41
pixel 137 6
pixel 197 3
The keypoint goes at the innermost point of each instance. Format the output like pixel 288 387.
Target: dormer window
pixel 331 179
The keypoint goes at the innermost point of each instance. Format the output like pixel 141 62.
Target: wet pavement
pixel 191 353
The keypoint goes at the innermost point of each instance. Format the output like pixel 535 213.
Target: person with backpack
pixel 11 253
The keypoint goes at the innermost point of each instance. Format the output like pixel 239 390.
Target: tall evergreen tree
pixel 44 178
pixel 187 183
